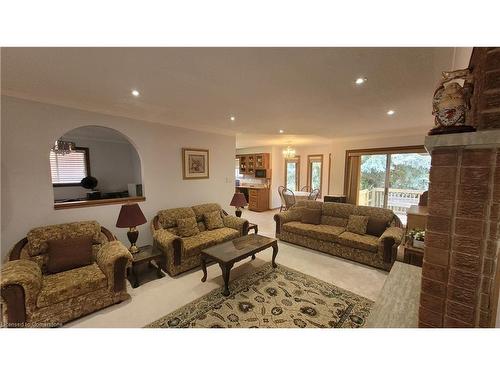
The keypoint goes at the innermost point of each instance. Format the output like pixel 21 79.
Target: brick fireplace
pixel 459 275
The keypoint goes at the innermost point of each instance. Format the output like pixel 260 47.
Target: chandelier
pixel 63 147
pixel 289 153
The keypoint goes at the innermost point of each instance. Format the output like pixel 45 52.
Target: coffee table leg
pixel 253 256
pixel 275 252
pixel 226 270
pixel 204 268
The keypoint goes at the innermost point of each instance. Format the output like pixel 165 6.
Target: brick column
pixel 458 273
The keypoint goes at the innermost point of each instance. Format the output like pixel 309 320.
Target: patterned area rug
pixel 272 298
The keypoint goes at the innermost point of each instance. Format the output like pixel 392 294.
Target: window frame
pixel 295 160
pixel 87 169
pixel 310 159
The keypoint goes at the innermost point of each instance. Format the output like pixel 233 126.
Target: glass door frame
pixel 296 161
pixel 310 160
pixel 418 149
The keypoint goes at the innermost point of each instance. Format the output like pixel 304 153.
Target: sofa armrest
pixel 241 225
pixel 284 217
pixel 113 258
pixel 21 281
pixel 389 242
pixel 166 241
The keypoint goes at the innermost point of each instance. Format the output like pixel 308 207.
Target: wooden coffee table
pixel 228 253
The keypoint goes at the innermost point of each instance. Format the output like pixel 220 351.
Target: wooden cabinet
pixel 258 199
pixel 249 162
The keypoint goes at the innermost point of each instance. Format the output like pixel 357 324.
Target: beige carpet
pixel 272 298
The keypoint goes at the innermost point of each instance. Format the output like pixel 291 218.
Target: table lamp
pixel 131 216
pixel 238 201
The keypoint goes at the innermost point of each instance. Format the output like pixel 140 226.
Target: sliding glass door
pixel 373 179
pixel 393 179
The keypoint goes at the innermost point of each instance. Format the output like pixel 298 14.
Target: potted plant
pixel 417 237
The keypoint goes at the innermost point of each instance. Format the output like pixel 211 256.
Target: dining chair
pixel 305 188
pixel 313 195
pixel 289 198
pixel 280 192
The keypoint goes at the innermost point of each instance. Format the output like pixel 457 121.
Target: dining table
pixel 301 195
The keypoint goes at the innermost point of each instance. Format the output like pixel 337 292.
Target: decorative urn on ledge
pixel 451 102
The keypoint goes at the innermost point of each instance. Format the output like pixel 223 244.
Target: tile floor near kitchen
pixel 158 297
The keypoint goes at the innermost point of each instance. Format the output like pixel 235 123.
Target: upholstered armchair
pixel 182 253
pixel 32 296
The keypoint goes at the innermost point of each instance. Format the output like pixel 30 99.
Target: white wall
pixel 30 128
pixel 114 164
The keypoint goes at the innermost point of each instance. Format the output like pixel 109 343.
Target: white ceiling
pixel 308 92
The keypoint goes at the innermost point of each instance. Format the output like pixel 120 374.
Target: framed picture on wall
pixel 195 163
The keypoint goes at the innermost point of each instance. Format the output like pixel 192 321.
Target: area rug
pixel 272 298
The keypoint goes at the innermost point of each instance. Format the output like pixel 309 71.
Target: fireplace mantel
pixel 485 138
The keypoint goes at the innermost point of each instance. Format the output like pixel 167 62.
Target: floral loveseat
pixel 183 253
pixel 331 234
pixel 33 297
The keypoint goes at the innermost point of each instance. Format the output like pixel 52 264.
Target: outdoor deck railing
pixel 398 200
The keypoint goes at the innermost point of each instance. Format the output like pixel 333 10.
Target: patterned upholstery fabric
pixel 187 227
pixel 37 237
pixel 331 235
pixel 107 256
pixel 392 232
pixel 337 249
pixel 323 232
pixel 357 224
pixel 69 284
pixel 164 237
pixel 188 248
pixel 234 222
pixel 201 209
pixel 168 218
pixel 193 245
pixel 25 273
pixel 52 300
pixel 213 220
pixel 359 241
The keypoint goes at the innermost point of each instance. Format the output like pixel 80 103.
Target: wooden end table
pixel 228 253
pixel 146 254
pixel 253 226
pixel 413 255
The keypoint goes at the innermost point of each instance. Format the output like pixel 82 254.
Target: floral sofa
pixel 33 297
pixel 331 235
pixel 183 253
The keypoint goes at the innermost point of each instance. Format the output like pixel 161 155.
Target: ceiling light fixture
pixel 135 93
pixel 232 118
pixel 360 81
pixel 390 112
pixel 281 131
pixel 289 153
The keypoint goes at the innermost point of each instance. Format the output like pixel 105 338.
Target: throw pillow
pixel 66 254
pixel 357 224
pixel 213 220
pixel 187 227
pixel 376 226
pixel 311 216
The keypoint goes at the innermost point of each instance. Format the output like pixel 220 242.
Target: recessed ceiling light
pixel 360 81
pixel 136 93
pixel 281 131
pixel 390 112
pixel 232 118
